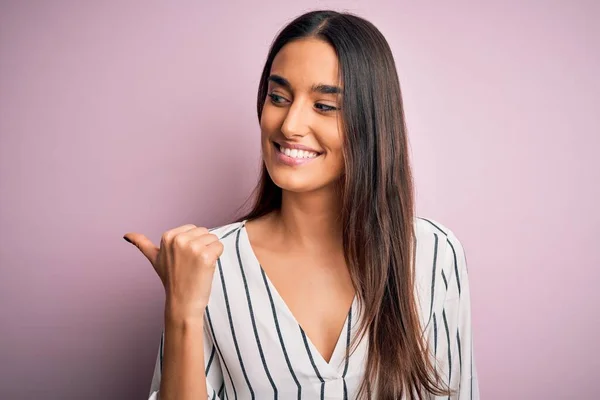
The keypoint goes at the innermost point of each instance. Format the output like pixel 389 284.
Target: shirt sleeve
pixel 456 361
pixel 214 376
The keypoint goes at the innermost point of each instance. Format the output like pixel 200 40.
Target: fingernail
pixel 127 240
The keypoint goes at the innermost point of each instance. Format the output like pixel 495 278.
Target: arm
pixel 185 263
pixel 185 353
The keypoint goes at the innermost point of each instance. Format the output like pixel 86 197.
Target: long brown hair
pixel 377 202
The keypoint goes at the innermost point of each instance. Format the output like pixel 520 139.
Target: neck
pixel 310 221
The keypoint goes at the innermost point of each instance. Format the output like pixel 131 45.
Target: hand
pixel 185 264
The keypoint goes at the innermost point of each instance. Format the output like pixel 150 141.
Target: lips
pixel 295 146
pixel 296 154
pixel 293 157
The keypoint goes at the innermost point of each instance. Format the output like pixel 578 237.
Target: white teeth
pixel 295 153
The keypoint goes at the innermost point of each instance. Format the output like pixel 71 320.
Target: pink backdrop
pixel 121 115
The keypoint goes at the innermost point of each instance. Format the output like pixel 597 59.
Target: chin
pixel 307 178
pixel 301 184
pixel 295 183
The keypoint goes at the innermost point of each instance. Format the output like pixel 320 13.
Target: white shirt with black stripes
pixel 255 349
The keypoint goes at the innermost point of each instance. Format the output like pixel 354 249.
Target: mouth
pixel 296 154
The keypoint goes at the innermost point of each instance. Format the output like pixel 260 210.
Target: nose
pixel 297 120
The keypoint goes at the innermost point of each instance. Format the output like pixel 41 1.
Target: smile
pixel 294 157
pixel 295 153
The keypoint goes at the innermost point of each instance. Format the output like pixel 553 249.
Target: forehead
pixel 305 62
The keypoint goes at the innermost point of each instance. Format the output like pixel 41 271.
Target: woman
pixel 330 287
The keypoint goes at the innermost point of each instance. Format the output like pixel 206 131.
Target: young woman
pixel 330 287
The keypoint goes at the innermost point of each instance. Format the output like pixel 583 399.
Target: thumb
pixel 144 244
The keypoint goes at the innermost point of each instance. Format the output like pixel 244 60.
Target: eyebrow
pixel 319 88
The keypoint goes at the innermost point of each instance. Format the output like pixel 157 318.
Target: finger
pixel 171 233
pixel 201 235
pixel 215 248
pixel 144 244
pixel 197 231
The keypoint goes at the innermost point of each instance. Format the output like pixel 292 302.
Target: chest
pixel 295 347
pixel 316 289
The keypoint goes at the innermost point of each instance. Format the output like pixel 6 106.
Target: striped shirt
pixel 255 349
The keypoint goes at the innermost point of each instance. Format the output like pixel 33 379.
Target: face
pixel 300 124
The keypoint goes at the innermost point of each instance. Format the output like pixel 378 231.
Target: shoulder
pixel 440 254
pixel 229 235
pixel 429 226
pixel 224 231
pixel 435 236
pixel 440 267
pixel 428 229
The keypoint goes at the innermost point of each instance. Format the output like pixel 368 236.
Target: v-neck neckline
pixel 339 352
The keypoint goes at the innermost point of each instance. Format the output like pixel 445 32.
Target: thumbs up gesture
pixel 185 263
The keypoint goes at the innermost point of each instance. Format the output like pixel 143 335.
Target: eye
pixel 325 107
pixel 276 99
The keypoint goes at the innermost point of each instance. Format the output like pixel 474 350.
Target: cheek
pixel 269 129
pixel 269 119
pixel 335 143
pixel 339 152
pixel 266 129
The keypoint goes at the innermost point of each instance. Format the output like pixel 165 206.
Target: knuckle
pixel 196 247
pixel 210 238
pixel 180 241
pixel 167 236
pixel 206 258
pixel 186 228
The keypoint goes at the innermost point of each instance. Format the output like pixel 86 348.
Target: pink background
pixel 120 116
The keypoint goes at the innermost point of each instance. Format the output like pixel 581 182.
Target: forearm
pixel 183 360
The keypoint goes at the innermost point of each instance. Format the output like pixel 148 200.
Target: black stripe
pixel 445 280
pixel 438 228
pixel 459 355
pixel 230 232
pixel 471 369
pixel 455 266
pixel 214 395
pixel 221 388
pixel 214 339
pixel 262 355
pixel 162 349
pixel 449 349
pixel 210 359
pixel 312 361
pixel 348 331
pixel 285 354
pixel 347 352
pixel 235 342
pixel 433 276
pixel 435 335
